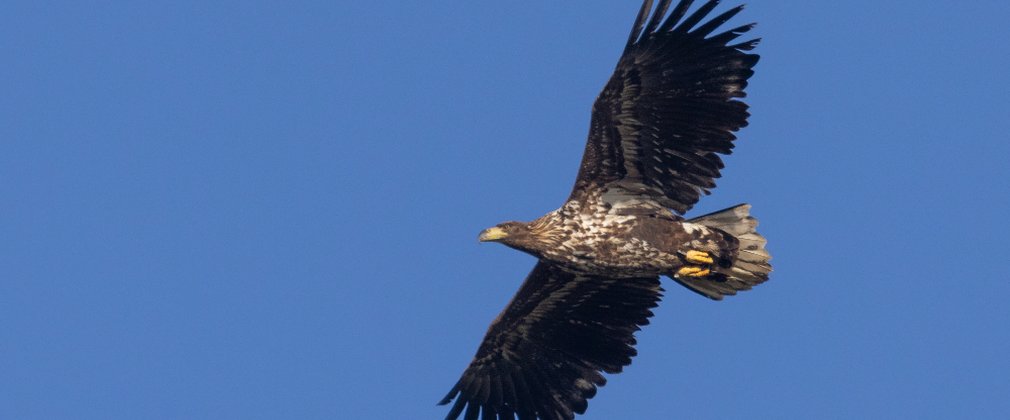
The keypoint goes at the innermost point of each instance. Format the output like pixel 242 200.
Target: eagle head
pixel 507 233
pixel 529 237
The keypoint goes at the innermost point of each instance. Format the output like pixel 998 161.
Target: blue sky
pixel 265 210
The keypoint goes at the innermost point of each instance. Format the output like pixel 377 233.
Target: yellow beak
pixel 492 234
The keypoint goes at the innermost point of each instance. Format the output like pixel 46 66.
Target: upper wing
pixel 542 356
pixel 669 109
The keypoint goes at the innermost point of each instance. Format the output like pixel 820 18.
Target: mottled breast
pixel 600 241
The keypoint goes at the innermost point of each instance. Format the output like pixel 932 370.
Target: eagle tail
pixel 751 265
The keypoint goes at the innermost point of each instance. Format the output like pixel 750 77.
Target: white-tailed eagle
pixel 658 127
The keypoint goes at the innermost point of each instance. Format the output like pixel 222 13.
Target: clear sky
pixel 217 210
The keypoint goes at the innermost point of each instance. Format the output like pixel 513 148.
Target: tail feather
pixel 751 265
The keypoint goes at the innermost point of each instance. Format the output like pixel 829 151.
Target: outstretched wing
pixel 669 110
pixel 542 356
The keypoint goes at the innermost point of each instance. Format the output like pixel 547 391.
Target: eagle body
pixel 656 136
pixel 597 237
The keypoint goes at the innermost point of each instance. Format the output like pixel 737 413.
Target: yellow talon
pixel 698 257
pixel 693 271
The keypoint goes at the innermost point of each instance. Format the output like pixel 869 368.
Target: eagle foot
pixel 693 271
pixel 698 257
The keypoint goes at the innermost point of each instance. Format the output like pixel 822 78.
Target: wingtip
pixel 636 29
pixel 450 396
pixel 657 17
pixel 747 45
pixel 456 410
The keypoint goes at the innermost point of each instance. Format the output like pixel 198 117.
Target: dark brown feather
pixel 670 109
pixel 544 353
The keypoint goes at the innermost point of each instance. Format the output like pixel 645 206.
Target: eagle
pixel 657 131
